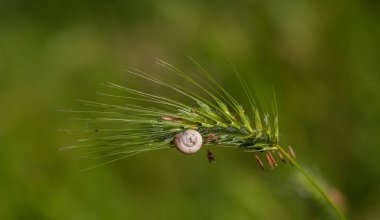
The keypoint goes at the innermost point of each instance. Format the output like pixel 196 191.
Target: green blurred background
pixel 322 58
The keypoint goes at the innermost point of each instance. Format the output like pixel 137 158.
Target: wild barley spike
pixel 123 130
pixel 162 123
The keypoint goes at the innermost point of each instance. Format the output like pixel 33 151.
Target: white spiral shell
pixel 188 142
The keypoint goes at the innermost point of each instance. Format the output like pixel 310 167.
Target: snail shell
pixel 188 142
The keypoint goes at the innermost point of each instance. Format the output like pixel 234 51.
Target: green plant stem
pixel 314 183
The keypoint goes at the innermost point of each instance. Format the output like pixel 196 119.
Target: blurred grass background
pixel 322 58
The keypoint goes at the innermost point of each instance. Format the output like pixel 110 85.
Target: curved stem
pixel 314 183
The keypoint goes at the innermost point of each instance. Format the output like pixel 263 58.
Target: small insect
pixel 210 156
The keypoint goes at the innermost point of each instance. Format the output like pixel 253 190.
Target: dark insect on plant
pixel 215 117
pixel 210 156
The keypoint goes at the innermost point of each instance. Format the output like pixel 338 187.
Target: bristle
pixel 272 158
pixel 260 162
pixel 281 157
pixel 211 136
pixel 170 118
pixel 292 152
pixel 270 162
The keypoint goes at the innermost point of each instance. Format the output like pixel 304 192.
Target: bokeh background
pixel 322 58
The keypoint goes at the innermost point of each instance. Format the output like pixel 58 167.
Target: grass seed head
pixel 159 122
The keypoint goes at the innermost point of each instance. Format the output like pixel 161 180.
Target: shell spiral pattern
pixel 188 142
